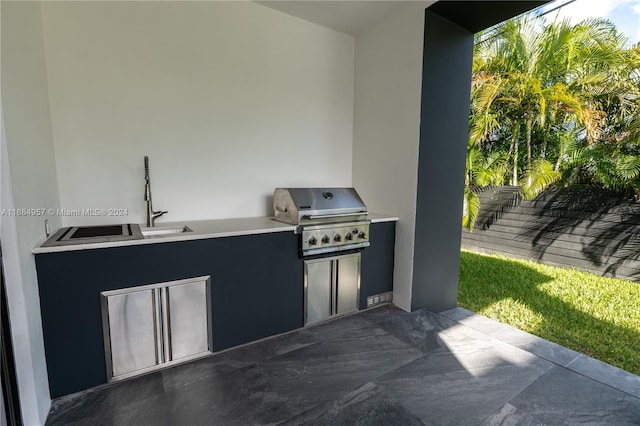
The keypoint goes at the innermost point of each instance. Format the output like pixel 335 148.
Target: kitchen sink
pixel 93 234
pixel 163 231
pixel 111 233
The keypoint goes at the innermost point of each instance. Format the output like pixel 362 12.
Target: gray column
pixel 444 128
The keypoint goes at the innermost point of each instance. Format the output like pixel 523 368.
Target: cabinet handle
pixel 166 325
pixel 331 216
pixel 334 287
pixel 162 319
pixel 158 325
pixel 337 285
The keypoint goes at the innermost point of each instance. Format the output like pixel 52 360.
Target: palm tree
pixel 536 80
pixel 570 94
pixel 481 170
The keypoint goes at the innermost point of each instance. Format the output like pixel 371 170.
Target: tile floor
pixel 378 367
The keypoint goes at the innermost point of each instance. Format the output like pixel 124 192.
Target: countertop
pixel 202 229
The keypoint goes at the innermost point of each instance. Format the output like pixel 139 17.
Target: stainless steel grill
pixel 329 219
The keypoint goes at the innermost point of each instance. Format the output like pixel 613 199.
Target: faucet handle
pixel 155 215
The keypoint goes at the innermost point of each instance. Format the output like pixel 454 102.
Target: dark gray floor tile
pixel 274 346
pixel 475 321
pixel 259 351
pixel 457 314
pixel 417 329
pixel 537 346
pixel 220 394
pixel 381 313
pixel 353 323
pixel 562 397
pixel 607 374
pixel 303 379
pixel 462 387
pixel 366 406
pixel 521 339
pixel 379 367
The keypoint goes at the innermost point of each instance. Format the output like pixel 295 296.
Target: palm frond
pixel 491 170
pixel 627 167
pixel 538 178
pixel 470 209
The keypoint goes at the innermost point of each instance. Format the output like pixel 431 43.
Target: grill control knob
pixel 355 231
pixel 325 239
pixel 362 235
pixel 337 238
pixel 313 241
pixel 348 236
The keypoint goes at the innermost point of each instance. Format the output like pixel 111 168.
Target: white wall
pixel 388 81
pixel 28 181
pixel 228 99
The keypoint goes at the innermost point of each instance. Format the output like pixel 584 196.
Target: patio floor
pixel 378 367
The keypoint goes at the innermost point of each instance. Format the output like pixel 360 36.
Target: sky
pixel 625 14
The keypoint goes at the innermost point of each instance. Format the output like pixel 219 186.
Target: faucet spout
pixel 152 215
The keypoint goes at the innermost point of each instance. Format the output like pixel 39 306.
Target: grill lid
pixel 311 205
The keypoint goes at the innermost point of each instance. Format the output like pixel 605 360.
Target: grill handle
pixel 331 216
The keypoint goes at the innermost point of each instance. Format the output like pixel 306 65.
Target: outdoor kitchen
pixel 229 100
pixel 137 304
pixel 250 112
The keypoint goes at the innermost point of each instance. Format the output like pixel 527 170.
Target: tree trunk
pixel 545 140
pixel 467 178
pixel 529 126
pixel 515 135
pixel 556 167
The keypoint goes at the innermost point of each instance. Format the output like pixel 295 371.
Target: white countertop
pixel 376 218
pixel 202 229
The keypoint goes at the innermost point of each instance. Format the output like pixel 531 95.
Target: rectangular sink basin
pixel 163 231
pixel 73 235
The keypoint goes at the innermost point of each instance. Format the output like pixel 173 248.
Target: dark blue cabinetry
pixel 257 291
pixel 377 261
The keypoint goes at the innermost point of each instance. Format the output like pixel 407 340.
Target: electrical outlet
pixel 378 299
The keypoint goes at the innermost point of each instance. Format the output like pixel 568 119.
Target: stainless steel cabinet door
pixel 187 315
pixel 152 326
pixel 332 286
pixel 132 330
pixel 318 284
pixel 348 283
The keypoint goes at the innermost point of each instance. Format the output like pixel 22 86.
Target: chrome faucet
pixel 151 215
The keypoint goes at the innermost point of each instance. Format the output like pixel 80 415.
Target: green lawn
pixel 597 316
